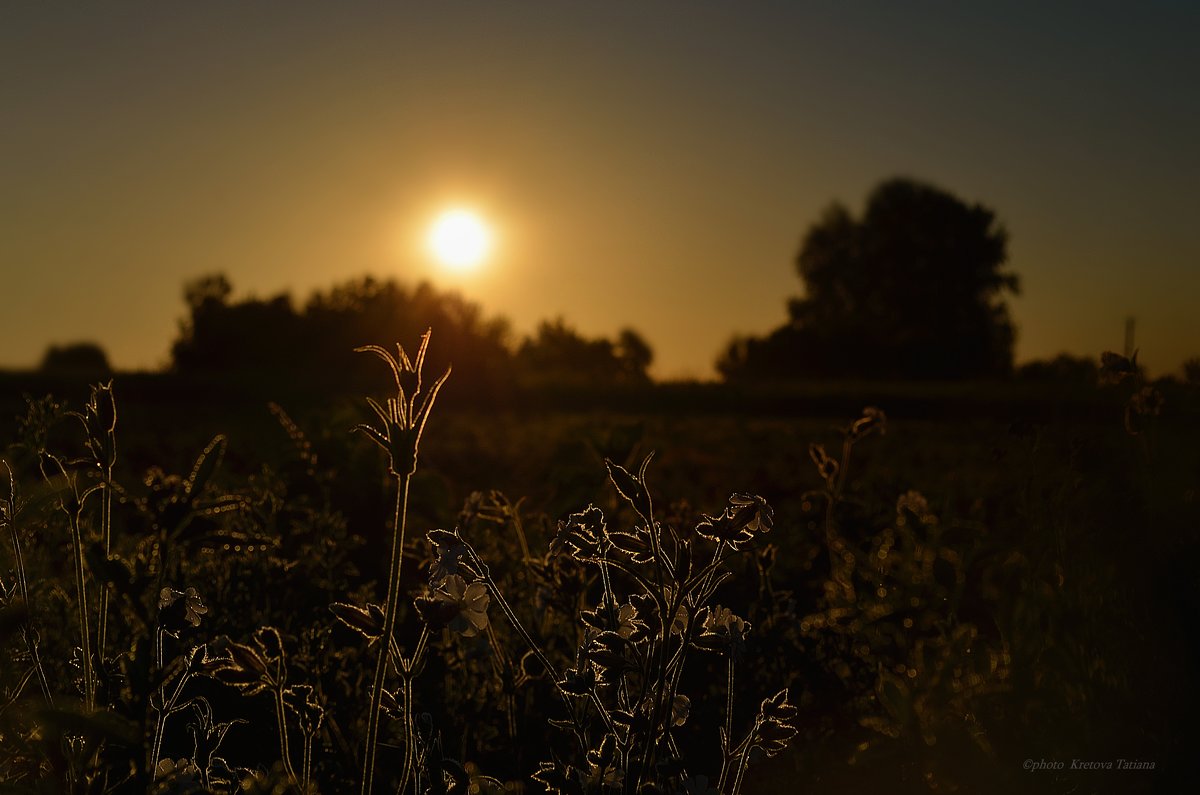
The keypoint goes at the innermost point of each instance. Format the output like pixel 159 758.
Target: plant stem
pixel 389 625
pixel 27 628
pixel 160 722
pixel 89 695
pixel 284 750
pixel 410 756
pixel 106 533
pixel 729 698
pixel 743 761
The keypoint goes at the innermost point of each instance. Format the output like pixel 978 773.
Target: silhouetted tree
pixel 1191 370
pixel 635 356
pixel 369 311
pixel 912 289
pixel 249 336
pixel 272 341
pixel 558 354
pixel 76 359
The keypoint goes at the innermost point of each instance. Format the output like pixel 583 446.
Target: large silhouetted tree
pixel 913 288
pixel 274 341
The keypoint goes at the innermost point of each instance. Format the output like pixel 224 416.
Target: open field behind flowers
pixel 919 598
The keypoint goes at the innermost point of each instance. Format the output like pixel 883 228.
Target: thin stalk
pixel 743 762
pixel 160 721
pixel 307 763
pixel 27 629
pixel 106 533
pixel 414 664
pixel 729 699
pixel 660 686
pixel 410 756
pixel 284 750
pixel 389 626
pixel 89 694
pixel 610 601
pixel 516 520
pixel 17 691
pixel 494 590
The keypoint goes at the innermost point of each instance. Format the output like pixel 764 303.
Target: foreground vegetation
pixel 917 603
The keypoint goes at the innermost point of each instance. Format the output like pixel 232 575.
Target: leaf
pixel 367 621
pixel 205 466
pixel 633 489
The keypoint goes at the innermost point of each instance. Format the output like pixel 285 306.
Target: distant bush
pixel 1191 370
pixel 83 359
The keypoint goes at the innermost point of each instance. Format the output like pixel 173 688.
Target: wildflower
pixel 578 681
pixel 745 515
pixel 776 723
pixel 302 700
pixel 558 779
pixel 721 630
pixel 207 734
pixel 680 621
pixel 449 551
pixel 181 772
pixel 604 770
pixel 100 421
pixel 607 651
pixel 402 418
pixel 628 625
pixel 582 535
pixel 456 605
pixel 681 708
pixel 177 608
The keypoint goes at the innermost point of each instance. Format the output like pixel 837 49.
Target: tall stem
pixel 389 625
pixel 89 697
pixel 106 532
pixel 284 749
pixel 27 628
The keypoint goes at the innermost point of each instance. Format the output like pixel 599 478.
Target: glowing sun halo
pixel 460 239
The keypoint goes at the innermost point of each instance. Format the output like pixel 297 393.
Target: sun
pixel 460 239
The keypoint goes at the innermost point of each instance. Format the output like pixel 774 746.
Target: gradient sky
pixel 649 164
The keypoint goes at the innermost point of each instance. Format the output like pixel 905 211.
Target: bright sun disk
pixel 460 239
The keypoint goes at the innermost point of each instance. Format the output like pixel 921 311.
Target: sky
pixel 651 165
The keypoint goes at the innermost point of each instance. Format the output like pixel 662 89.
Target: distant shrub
pixel 83 359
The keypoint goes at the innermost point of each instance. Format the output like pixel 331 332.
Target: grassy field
pixel 997 573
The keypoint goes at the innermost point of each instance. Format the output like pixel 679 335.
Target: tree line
pixel 914 287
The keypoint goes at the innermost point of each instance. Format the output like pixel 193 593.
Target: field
pixel 979 580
